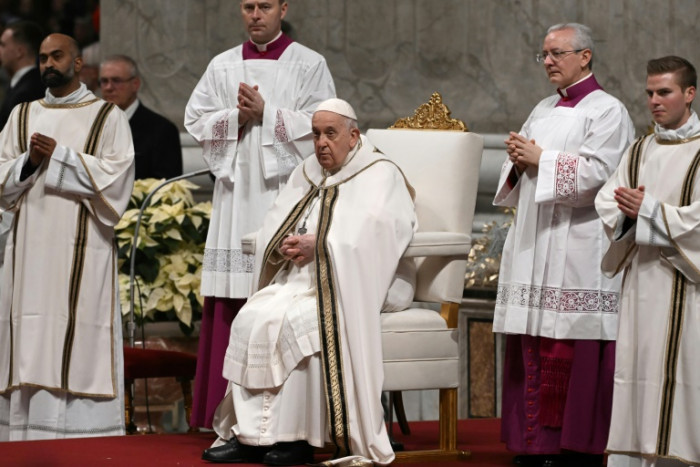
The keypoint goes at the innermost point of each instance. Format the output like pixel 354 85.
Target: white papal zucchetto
pixel 338 106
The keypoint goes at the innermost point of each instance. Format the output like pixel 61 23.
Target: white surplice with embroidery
pixel 664 239
pixel 550 283
pixel 250 171
pixel 36 401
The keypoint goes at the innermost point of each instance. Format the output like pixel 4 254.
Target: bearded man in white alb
pixel 651 211
pixel 559 311
pixel 67 171
pixel 251 112
pixel 304 359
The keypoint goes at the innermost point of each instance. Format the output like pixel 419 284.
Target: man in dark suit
pixel 19 45
pixel 156 139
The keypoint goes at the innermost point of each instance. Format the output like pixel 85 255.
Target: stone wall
pixel 388 56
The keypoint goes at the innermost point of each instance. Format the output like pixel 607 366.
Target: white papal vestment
pixel 60 328
pixel 305 352
pixel 549 281
pixel 253 162
pixel 656 399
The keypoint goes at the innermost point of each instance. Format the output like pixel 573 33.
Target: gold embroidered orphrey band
pixel 635 157
pixel 329 326
pixel 326 299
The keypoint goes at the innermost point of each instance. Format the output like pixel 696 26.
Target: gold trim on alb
pixel 67 106
pixel 666 142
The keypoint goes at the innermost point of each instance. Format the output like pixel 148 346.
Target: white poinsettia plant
pixel 169 253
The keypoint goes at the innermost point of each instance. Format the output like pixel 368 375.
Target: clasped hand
pixel 298 248
pixel 521 152
pixel 250 104
pixel 40 147
pixel 629 200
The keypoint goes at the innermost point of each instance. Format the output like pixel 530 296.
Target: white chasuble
pixel 251 163
pixel 550 283
pixel 59 301
pixel 363 218
pixel 656 398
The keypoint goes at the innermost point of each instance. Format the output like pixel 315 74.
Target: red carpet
pixel 481 437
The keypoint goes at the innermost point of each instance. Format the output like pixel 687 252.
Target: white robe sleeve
pixel 13 186
pixel 286 132
pixel 573 179
pixel 508 190
pixel 650 224
pixel 64 174
pixel 622 244
pixel 11 163
pixel 104 180
pixel 403 287
pixel 213 124
pixel 681 227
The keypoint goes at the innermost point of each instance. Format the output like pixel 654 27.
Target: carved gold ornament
pixel 434 115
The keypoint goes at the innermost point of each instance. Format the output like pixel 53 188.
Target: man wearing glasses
pixel 156 139
pixel 559 311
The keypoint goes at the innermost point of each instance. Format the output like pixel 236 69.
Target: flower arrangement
pixel 485 255
pixel 169 253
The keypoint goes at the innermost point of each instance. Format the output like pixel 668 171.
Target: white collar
pixel 687 130
pixel 563 91
pixel 72 98
pixel 18 75
pixel 263 47
pixel 131 110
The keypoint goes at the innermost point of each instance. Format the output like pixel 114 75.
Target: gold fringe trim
pixel 67 106
pixel 670 142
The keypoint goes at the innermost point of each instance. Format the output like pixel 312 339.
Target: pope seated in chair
pixel 304 359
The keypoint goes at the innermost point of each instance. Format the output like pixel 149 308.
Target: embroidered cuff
pixel 650 224
pixel 59 162
pixel 566 177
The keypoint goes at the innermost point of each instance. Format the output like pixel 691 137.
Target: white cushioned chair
pixel 420 345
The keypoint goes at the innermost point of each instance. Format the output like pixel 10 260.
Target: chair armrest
pixel 439 244
pixel 423 244
pixel 248 243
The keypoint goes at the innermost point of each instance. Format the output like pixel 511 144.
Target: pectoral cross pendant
pixel 302 229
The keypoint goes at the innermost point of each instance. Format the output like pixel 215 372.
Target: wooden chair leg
pixel 448 435
pixel 397 397
pixel 129 407
pixel 187 400
pixel 448 419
